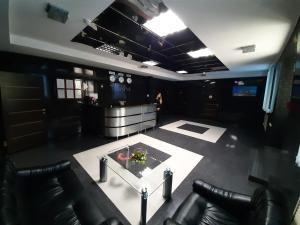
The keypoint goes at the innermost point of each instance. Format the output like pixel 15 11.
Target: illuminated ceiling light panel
pixel 165 23
pixel 181 71
pixel 109 49
pixel 204 52
pixel 150 63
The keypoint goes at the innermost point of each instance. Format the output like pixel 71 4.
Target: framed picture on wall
pixel 69 88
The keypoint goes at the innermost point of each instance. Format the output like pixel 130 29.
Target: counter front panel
pixel 120 121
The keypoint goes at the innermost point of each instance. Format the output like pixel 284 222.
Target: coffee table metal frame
pixel 166 181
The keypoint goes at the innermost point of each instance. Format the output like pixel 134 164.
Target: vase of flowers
pixel 139 156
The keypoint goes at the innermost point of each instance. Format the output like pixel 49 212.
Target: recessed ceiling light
pixel 181 71
pixel 204 52
pixel 165 23
pixel 150 63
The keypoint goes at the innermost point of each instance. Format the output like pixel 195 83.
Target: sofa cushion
pixel 87 211
pixel 268 208
pixel 197 210
pixel 209 205
pixel 64 216
pixel 8 202
pixel 45 196
pixel 48 197
pixel 50 194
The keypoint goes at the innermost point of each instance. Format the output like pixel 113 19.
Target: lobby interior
pixel 149 112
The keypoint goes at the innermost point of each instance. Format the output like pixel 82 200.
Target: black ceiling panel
pixel 120 31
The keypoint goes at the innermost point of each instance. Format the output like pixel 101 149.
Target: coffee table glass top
pixel 139 165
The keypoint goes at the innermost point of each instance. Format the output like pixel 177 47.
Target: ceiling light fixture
pixel 165 23
pixel 181 71
pixel 150 63
pixel 204 52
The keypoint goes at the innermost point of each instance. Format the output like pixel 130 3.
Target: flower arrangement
pixel 138 156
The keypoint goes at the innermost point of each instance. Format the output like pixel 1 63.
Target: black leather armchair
pixel 209 205
pixel 47 195
pixel 47 170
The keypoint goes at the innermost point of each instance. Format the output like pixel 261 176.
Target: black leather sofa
pixel 48 195
pixel 209 205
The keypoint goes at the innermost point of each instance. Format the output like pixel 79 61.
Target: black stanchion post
pixel 103 169
pixel 144 198
pixel 167 186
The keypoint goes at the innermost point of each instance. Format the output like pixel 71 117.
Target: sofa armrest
pixel 47 170
pixel 170 222
pixel 111 221
pixel 235 201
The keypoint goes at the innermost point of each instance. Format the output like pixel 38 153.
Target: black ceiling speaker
pixel 56 13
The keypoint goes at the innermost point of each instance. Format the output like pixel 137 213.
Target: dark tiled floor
pixel 225 164
pixel 193 128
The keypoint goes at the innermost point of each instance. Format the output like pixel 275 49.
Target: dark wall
pixel 194 98
pixel 63 115
pixel 189 98
pixel 51 69
pixel 285 120
pixel 248 108
pixel 1 127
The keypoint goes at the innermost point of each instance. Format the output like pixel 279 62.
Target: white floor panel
pixel 123 196
pixel 212 134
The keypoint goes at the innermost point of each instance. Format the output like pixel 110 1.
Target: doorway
pixel 23 111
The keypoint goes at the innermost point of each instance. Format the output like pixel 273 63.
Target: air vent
pixel 109 49
pixel 56 13
pixel 248 48
pixel 218 68
pixel 144 66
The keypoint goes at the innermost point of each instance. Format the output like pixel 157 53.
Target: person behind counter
pixel 159 103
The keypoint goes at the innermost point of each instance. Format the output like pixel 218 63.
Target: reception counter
pixel 125 120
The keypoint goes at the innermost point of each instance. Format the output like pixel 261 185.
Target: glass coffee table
pixel 142 167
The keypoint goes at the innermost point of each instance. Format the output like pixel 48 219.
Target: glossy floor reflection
pixel 223 165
